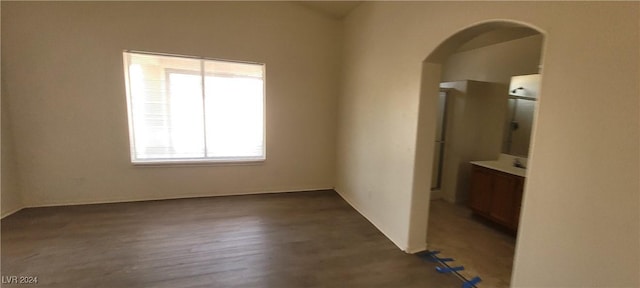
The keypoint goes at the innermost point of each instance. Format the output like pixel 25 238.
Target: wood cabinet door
pixel 480 192
pixel 518 204
pixel 503 200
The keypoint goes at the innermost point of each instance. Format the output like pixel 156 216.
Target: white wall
pixel 62 68
pixel 580 221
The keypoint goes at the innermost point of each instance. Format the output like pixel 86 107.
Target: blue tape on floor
pixel 431 257
pixel 428 256
pixel 449 269
pixel 438 259
pixel 471 283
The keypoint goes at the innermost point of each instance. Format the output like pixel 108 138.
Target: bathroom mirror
pixel 517 134
pixel 523 93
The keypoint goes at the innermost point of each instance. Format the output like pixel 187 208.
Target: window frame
pixel 199 161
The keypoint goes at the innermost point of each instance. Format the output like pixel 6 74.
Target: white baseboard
pixel 107 201
pixel 5 214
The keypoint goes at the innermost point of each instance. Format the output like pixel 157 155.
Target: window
pixel 187 109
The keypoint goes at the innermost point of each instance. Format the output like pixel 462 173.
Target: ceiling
pixel 496 36
pixel 340 9
pixel 333 9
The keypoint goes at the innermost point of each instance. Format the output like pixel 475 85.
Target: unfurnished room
pixel 320 144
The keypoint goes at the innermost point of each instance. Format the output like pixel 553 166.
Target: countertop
pixel 501 166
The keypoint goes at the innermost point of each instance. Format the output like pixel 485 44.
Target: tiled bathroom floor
pixel 482 248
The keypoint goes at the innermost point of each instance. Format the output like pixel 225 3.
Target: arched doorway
pixel 432 70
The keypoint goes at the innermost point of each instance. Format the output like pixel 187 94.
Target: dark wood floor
pixel 307 239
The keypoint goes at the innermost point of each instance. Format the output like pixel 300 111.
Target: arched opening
pixel 433 74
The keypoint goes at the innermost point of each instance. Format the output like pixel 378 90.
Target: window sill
pixel 197 162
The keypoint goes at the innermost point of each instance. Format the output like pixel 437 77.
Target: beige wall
pixel 580 222
pixel 475 123
pixel 10 198
pixel 495 63
pixel 62 68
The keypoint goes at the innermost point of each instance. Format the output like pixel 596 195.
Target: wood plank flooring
pixel 484 249
pixel 306 239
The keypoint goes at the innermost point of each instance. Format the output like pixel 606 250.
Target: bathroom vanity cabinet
pixel 496 195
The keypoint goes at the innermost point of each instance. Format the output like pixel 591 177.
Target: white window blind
pixel 184 109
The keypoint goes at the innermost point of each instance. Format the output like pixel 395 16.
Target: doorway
pixel 440 143
pixel 467 56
